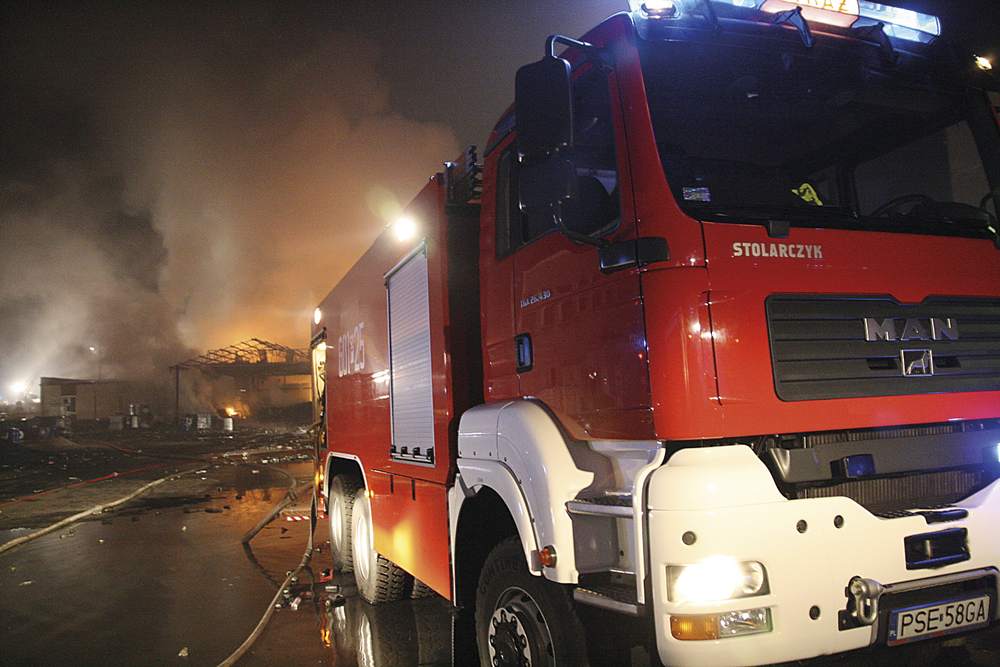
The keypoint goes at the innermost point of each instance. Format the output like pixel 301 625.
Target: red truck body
pixel 409 508
pixel 729 345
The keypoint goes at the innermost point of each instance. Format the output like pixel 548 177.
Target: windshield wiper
pixel 778 219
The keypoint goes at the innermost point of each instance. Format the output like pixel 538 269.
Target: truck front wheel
pixel 523 620
pixel 378 578
pixel 339 509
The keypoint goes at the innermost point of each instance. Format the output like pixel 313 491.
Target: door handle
pixel 523 353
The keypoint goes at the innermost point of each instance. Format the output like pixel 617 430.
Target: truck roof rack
pixel 463 179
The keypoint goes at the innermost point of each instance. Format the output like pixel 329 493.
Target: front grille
pixel 925 480
pixel 819 348
pixel 889 494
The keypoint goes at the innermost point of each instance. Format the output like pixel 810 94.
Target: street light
pixel 97 356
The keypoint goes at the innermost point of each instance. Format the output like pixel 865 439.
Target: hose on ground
pixel 79 516
pixel 266 618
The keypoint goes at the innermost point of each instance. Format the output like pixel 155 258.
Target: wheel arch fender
pixel 518 450
pixel 338 463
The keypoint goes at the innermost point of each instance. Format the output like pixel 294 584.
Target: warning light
pixel 660 8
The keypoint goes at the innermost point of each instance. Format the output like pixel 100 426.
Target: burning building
pixel 251 378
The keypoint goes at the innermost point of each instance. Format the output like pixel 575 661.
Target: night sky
pixel 179 176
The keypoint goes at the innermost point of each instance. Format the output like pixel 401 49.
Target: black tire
pixel 379 580
pixel 340 499
pixel 421 590
pixel 385 636
pixel 518 613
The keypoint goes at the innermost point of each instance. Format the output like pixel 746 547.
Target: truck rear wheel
pixel 379 579
pixel 523 620
pixel 420 590
pixel 339 508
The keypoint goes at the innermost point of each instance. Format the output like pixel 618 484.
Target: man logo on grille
pixel 917 363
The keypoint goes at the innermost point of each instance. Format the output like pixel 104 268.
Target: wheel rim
pixel 337 524
pixel 518 635
pixel 362 540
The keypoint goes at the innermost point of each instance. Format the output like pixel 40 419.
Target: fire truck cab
pixel 713 347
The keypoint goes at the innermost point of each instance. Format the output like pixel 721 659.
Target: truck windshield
pixel 816 138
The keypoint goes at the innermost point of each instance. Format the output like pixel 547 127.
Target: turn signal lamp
pixel 716 579
pixel 704 627
pixel 547 556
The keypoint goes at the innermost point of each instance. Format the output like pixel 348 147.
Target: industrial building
pixel 85 400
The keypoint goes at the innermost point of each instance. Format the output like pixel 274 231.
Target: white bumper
pixel 726 497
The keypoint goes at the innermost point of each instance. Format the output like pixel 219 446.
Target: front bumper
pixel 726 497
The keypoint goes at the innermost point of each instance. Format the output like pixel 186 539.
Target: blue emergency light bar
pixel 897 22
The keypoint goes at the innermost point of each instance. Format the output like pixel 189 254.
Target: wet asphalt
pixel 165 580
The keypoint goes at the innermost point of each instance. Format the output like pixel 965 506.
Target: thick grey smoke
pixel 178 180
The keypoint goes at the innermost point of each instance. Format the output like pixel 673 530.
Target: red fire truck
pixel 711 343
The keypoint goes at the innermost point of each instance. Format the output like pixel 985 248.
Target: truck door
pixel 579 333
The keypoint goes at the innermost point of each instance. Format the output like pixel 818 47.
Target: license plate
pixel 941 618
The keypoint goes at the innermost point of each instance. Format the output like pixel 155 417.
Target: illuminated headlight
pixel 715 579
pixel 317 316
pixel 996 452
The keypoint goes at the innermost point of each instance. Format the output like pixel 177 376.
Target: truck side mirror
pixel 543 107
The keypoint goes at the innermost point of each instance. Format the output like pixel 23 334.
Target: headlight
pixel 716 578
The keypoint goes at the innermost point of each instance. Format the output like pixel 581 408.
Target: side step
pixel 619 598
pixel 618 505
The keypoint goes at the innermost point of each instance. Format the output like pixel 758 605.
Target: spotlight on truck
pixel 404 228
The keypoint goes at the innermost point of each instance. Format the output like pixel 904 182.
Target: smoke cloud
pixel 179 180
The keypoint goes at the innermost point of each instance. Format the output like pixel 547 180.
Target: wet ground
pixel 165 579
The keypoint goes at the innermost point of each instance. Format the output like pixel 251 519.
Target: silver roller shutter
pixel 411 392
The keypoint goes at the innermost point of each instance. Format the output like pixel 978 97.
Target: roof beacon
pixel 898 22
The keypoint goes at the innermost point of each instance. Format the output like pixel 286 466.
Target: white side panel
pixel 411 392
pixel 477 432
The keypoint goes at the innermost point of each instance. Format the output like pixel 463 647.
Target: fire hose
pixel 97 509
pixel 269 612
